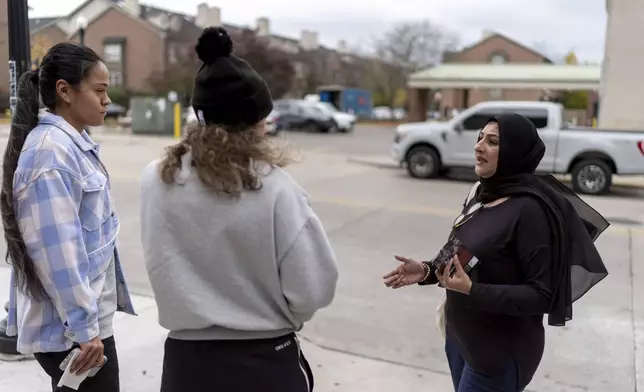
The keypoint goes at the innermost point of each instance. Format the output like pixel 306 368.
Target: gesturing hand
pixel 460 282
pixel 408 273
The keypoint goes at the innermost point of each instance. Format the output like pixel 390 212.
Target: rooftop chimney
pixel 309 40
pixel 263 27
pixel 176 22
pixel 208 16
pixel 342 46
pixel 487 33
pixel 132 6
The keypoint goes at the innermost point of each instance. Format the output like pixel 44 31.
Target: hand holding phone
pixel 458 281
pixel 467 261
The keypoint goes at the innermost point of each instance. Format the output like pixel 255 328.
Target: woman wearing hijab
pixel 532 239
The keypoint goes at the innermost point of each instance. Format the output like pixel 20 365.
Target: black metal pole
pixel 81 33
pixel 19 63
pixel 19 43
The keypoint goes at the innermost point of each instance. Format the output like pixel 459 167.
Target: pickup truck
pixel 592 156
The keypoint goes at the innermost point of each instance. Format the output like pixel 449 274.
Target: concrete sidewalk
pixel 386 162
pixel 140 344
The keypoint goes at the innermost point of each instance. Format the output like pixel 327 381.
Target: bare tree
pixel 548 51
pixel 273 64
pixel 309 74
pixel 177 77
pixel 415 45
pixel 384 80
pixel 405 48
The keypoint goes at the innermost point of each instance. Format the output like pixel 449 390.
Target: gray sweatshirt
pixel 252 268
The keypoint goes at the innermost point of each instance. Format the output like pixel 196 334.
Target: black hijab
pixel 574 225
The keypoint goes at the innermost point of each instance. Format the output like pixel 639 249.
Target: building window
pixel 498 58
pixel 113 53
pixel 173 58
pixel 496 94
pixel 116 79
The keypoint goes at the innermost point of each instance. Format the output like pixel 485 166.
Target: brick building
pixel 140 42
pixel 499 68
pixel 493 49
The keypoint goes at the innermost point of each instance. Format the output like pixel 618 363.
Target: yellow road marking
pixel 437 211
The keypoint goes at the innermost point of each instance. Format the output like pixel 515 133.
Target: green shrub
pixel 119 96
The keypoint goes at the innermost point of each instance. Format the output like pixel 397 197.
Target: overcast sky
pixel 553 26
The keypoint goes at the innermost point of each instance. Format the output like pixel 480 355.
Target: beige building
pixel 621 99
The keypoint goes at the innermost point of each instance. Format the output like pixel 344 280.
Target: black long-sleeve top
pixel 501 320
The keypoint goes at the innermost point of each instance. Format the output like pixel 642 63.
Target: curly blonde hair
pixel 227 159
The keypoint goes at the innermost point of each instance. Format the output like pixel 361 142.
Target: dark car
pixel 115 111
pixel 293 114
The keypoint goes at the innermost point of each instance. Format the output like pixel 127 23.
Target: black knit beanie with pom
pixel 227 90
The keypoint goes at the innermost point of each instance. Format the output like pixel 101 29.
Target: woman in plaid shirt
pixel 59 221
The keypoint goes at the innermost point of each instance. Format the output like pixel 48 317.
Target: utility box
pixel 152 115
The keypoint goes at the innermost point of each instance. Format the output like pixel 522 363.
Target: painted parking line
pixel 438 212
pixel 427 210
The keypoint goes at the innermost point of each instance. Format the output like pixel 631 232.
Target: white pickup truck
pixel 429 149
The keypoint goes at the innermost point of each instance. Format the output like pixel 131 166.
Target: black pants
pixel 262 365
pixel 106 380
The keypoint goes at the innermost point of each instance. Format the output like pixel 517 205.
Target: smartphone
pixel 468 261
pixel 72 354
pixel 94 370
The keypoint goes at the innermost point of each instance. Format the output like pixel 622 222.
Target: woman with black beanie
pixel 522 247
pixel 237 258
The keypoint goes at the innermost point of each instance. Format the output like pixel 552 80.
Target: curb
pixel 379 163
pixel 383 123
pixel 327 347
pixel 382 163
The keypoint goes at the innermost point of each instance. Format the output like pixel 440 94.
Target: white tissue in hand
pixel 70 379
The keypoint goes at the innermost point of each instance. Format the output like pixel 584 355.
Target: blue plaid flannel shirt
pixel 65 211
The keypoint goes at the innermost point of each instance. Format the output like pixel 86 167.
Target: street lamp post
pixel 19 45
pixel 81 22
pixel 19 63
